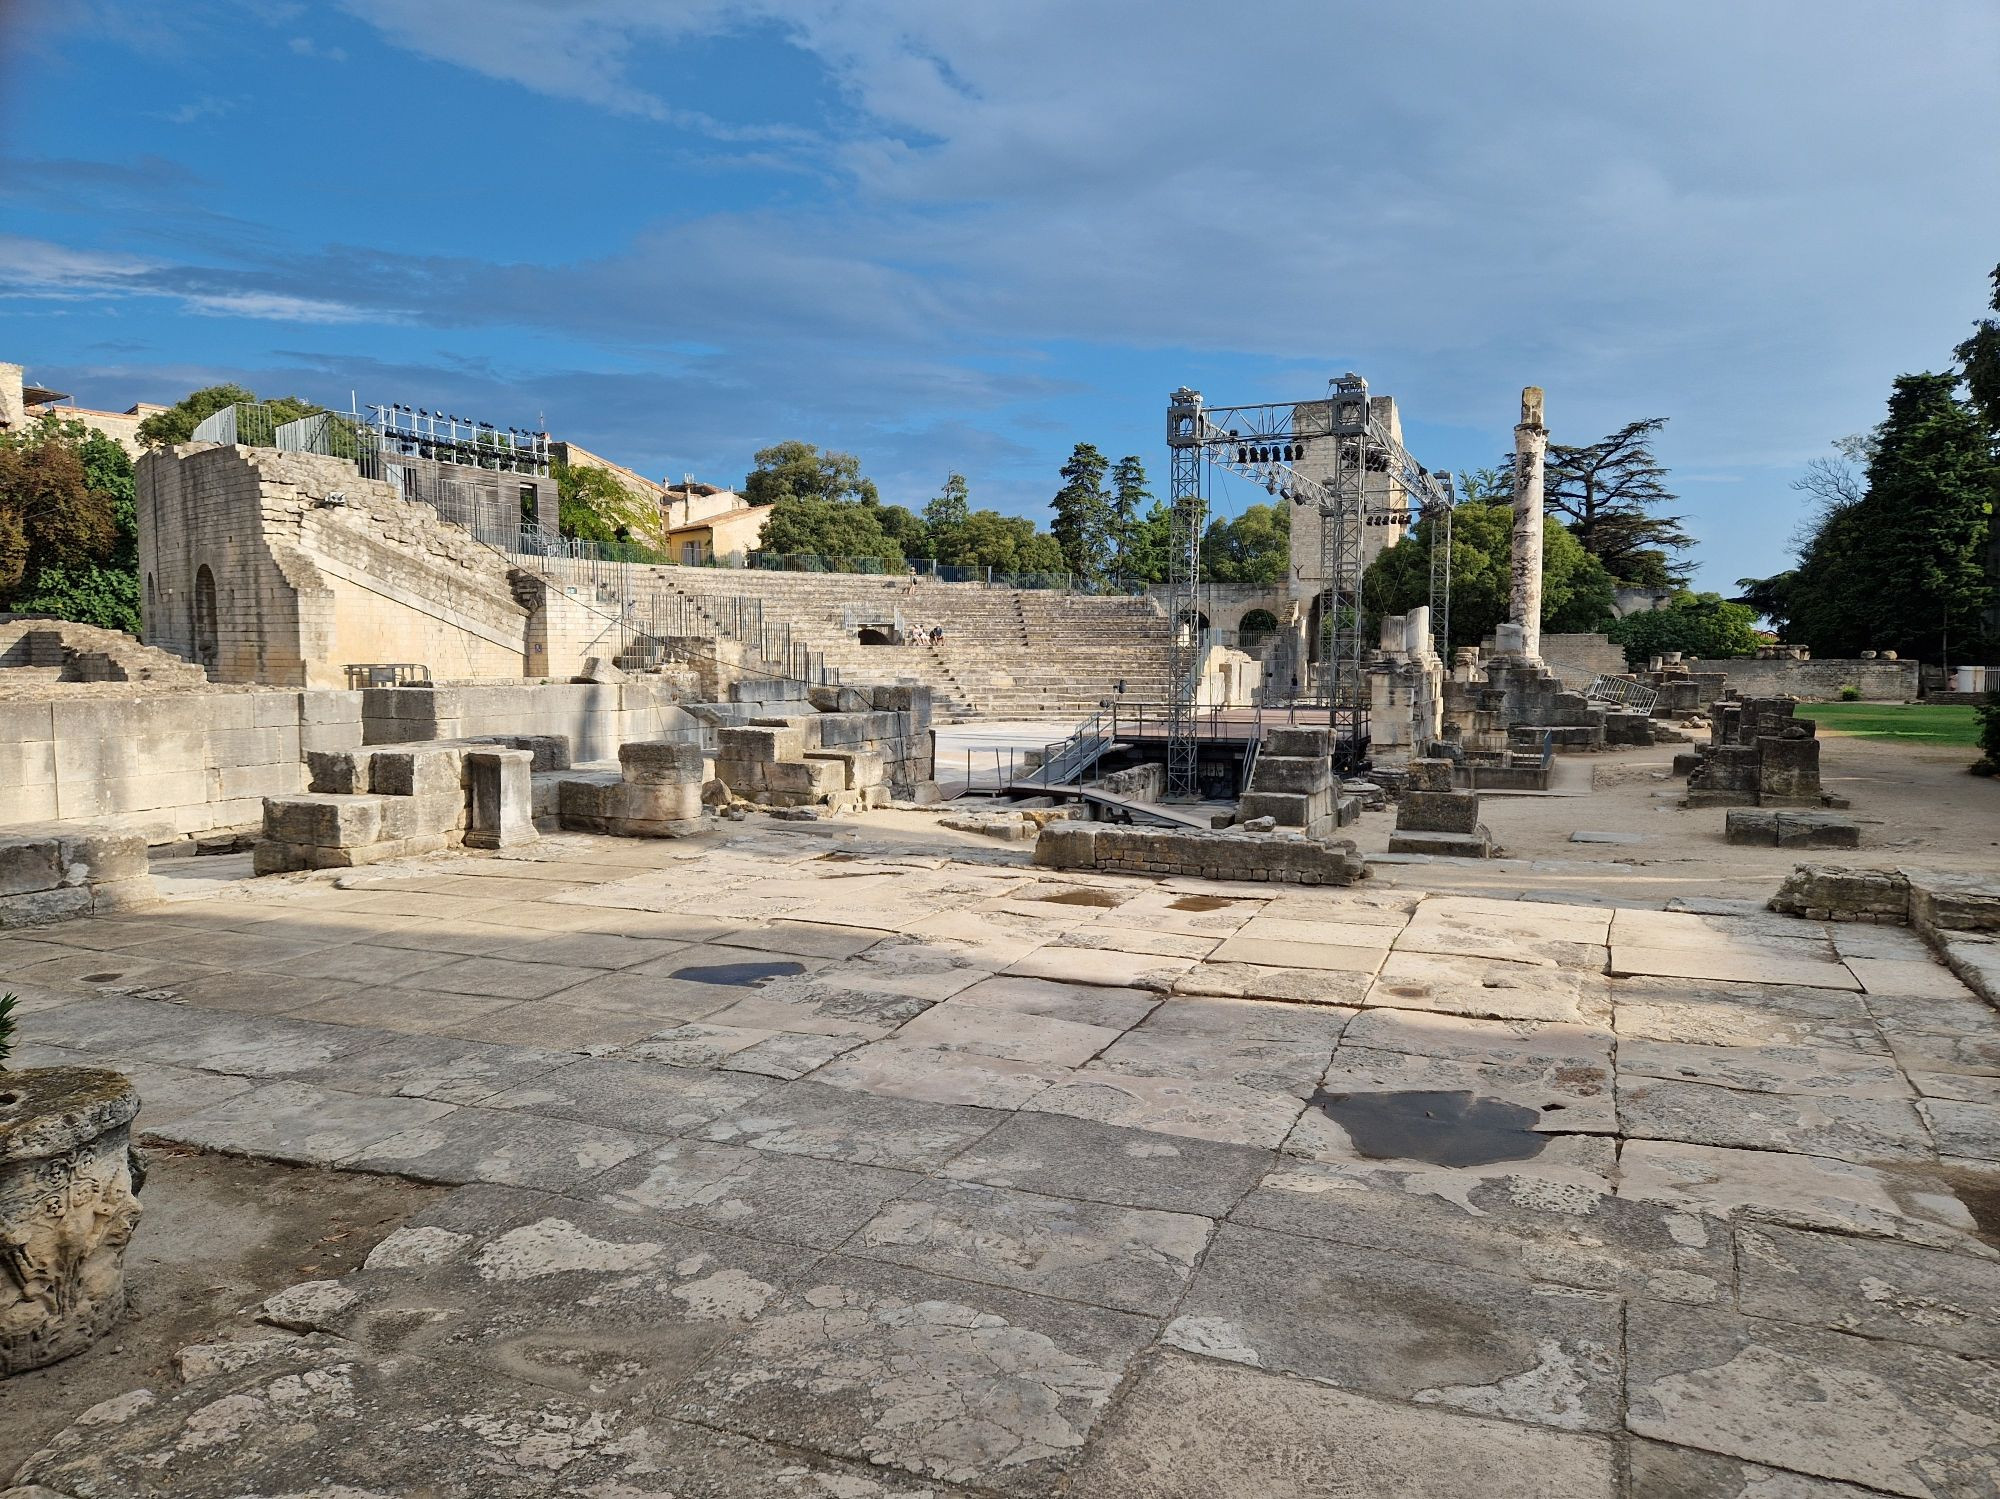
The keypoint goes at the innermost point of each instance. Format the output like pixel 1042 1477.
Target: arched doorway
pixel 871 636
pixel 1256 627
pixel 207 647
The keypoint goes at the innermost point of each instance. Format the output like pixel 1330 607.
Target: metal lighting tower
pixel 1187 512
pixel 1266 443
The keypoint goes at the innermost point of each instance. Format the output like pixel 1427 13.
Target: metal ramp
pixel 1121 808
pixel 1069 761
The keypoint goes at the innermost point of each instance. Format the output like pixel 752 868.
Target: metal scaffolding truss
pixel 1371 479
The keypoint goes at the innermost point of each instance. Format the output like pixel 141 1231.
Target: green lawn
pixel 1944 724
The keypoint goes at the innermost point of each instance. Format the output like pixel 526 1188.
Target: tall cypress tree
pixel 1083 517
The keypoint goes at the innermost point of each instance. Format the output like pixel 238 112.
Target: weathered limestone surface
pixel 1524 598
pixel 56 872
pixel 1223 855
pixel 67 1210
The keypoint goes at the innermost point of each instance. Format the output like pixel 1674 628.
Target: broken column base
pixel 1477 844
pixel 1230 854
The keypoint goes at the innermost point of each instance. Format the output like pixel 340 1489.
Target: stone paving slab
pixel 311 1410
pixel 1970 1131
pixel 733 1189
pixel 1312 986
pixel 166 1094
pixel 1109 1007
pixel 1251 946
pixel 1887 1415
pixel 498 978
pixel 1204 1108
pixel 1712 1014
pixel 1386 1324
pixel 1104 1163
pixel 806 939
pixel 1809 1190
pixel 1320 1136
pixel 927 1074
pixel 301 1124
pixel 1489 990
pixel 1127 1259
pixel 1878 1288
pixel 970 1384
pixel 764 1053
pixel 996 1032
pixel 1074 965
pixel 1367 929
pixel 647 1098
pixel 1109 936
pixel 1572 1233
pixel 1737 966
pixel 1826 1071
pixel 496 1145
pixel 1192 1429
pixel 1849 1129
pixel 1686 1474
pixel 446 1068
pixel 585 1299
pixel 812 1118
pixel 992 938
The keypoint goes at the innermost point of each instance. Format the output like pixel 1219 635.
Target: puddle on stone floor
pixel 1199 903
pixel 101 978
pixel 1446 1128
pixel 1105 898
pixel 739 975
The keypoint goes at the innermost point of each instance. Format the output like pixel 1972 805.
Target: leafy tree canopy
pixel 945 519
pixel 798 470
pixel 1901 566
pixel 1979 355
pixel 1576 589
pixel 69 542
pixel 1611 493
pixel 1255 547
pixel 596 507
pixel 1698 624
pixel 178 421
pixel 828 528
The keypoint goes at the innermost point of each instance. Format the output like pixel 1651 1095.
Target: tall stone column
pixel 1531 446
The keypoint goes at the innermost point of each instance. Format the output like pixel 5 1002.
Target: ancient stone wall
pixel 596 718
pixel 284 568
pixel 1581 658
pixel 170 763
pixel 1284 857
pixel 1817 681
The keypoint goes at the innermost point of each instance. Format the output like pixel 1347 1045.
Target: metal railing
pixel 1623 691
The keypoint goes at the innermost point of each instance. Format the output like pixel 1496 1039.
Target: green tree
pixel 1979 356
pixel 1699 624
pixel 1576 589
pixel 69 540
pixel 1131 494
pixel 798 470
pixel 1147 543
pixel 1770 598
pixel 1255 547
pixel 1611 492
pixel 905 528
pixel 178 421
pixel 830 529
pixel 1083 516
pixel 1903 567
pixel 596 507
pixel 945 517
pixel 1006 544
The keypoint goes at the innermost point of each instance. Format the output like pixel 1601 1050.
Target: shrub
pixel 1850 694
pixel 1988 763
pixel 7 1003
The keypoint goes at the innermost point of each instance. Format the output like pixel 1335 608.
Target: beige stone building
pixel 23 403
pixel 706 523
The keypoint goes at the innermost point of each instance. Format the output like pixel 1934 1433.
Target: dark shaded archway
pixel 207 644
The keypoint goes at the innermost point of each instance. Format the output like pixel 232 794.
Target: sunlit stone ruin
pixel 761 1033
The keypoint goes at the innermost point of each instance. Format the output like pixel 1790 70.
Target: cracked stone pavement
pixel 807 1162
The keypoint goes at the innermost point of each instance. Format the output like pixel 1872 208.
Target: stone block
pixel 1437 812
pixel 339 772
pixel 501 798
pixel 599 670
pixel 1068 845
pixel 1831 892
pixel 1816 830
pixel 744 777
pixel 1295 742
pixel 95 856
pixel 133 894
pixel 1289 809
pixel 1477 844
pixel 1788 767
pixel 323 821
pixel 1685 764
pixel 661 762
pixel 859 769
pixel 234 782
pixel 1298 775
pixel 1429 775
pixel 427 771
pixel 1751 827
pixel 30 862
pixel 811 778
pixel 760 742
pixel 1952 902
pixel 37 907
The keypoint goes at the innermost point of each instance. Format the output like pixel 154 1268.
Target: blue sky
pixel 950 234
